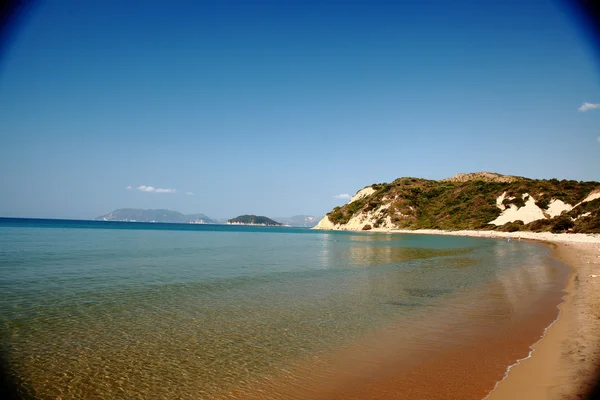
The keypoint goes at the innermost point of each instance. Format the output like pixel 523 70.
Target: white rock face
pixel 358 221
pixel 362 193
pixel 531 212
pixel 528 213
pixel 594 194
pixel 556 207
pixel 326 224
pixel 500 199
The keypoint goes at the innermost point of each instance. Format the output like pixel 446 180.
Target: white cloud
pixel 152 189
pixel 588 106
pixel 343 196
pixel 189 193
pixel 598 139
pixel 128 187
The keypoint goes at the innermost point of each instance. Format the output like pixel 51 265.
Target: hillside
pixel 482 200
pixel 139 215
pixel 253 220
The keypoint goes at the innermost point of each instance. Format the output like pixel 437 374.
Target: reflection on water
pixel 369 255
pixel 521 286
pixel 225 309
pixel 378 249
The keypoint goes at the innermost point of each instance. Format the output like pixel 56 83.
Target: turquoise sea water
pixel 95 309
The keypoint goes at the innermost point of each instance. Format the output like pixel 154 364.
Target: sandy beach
pixel 564 363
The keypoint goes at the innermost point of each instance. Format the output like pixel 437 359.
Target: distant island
pixel 175 217
pixel 253 220
pixel 168 216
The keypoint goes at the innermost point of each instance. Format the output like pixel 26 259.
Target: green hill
pixel 253 220
pixel 472 201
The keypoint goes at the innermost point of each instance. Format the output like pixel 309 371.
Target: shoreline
pixel 565 362
pixel 507 389
pixel 593 238
pixel 367 369
pixel 491 325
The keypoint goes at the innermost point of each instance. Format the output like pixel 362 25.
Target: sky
pixel 280 108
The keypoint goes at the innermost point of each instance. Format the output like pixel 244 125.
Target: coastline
pixel 564 363
pixel 593 238
pixel 492 324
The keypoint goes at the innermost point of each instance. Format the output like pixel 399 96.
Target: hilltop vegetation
pixel 253 220
pixel 468 201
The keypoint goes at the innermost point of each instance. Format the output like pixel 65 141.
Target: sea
pixel 122 310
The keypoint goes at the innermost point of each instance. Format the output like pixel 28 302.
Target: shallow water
pixel 121 310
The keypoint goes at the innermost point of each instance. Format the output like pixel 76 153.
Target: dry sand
pixel 565 363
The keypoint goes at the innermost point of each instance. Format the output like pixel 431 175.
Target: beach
pixel 564 363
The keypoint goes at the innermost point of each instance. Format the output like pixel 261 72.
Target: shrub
pixel 372 205
pixel 562 224
pixel 385 188
pixel 541 225
pixel 588 224
pixel 543 202
pixel 486 227
pixel 513 226
pixel 518 201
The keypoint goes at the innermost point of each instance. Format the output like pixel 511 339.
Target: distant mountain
pixel 253 220
pixel 170 216
pixel 139 215
pixel 305 221
pixel 201 219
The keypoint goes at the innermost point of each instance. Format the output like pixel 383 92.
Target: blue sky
pixel 274 108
